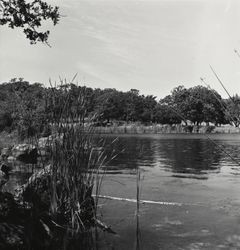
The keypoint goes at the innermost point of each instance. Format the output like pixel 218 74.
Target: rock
pixel 25 152
pixel 5 152
pixel 5 168
pixel 36 190
pixel 11 158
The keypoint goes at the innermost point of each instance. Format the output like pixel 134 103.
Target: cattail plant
pixel 76 157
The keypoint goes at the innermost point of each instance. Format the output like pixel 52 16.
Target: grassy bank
pixel 164 129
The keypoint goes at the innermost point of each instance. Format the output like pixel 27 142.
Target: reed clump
pixel 76 157
pixel 62 195
pixel 75 164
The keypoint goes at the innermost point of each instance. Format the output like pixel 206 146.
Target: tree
pixel 232 111
pixel 197 105
pixel 29 16
pixel 134 105
pixel 149 105
pixel 205 106
pixel 179 102
pixel 22 107
pixel 165 115
pixel 110 105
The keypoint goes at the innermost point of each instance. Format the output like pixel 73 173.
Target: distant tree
pixel 197 105
pixel 149 105
pixel 22 108
pixel 28 15
pixel 110 105
pixel 29 116
pixel 179 102
pixel 232 111
pixel 125 106
pixel 205 106
pixel 139 107
pixel 164 114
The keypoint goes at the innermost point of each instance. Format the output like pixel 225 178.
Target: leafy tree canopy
pixel 28 16
pixel 232 111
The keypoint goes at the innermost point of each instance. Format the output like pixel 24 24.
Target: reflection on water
pixel 198 156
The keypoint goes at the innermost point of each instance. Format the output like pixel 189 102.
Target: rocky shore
pixel 26 219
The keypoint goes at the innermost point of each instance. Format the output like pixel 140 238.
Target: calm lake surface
pixel 189 169
pixel 192 170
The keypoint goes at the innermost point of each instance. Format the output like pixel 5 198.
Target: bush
pixel 6 121
pixel 209 129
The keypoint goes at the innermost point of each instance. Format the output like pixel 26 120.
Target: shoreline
pixel 175 136
pixel 156 130
pixel 136 129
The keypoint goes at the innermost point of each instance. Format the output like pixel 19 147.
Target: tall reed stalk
pixel 138 201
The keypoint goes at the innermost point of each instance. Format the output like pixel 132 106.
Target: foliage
pixel 127 106
pixel 29 16
pixel 22 107
pixel 233 110
pixel 31 108
pixel 110 105
pixel 197 105
pixel 164 114
pixel 204 106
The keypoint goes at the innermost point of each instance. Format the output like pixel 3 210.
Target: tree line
pixel 31 107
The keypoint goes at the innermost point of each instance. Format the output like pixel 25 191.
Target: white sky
pixel 152 46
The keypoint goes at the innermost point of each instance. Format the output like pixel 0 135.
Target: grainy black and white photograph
pixel 119 124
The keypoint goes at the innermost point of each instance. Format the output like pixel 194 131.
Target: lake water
pixel 200 173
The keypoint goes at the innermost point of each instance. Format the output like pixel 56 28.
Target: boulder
pixel 5 152
pixel 36 190
pixel 11 159
pixel 25 152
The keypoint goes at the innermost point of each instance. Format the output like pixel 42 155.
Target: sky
pixel 152 46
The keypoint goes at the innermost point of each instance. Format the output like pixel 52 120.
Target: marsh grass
pixel 73 160
pixel 77 156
